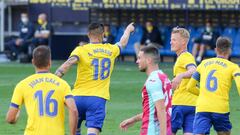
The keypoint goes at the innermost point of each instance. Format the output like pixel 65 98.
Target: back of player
pixel 215 76
pixel 95 65
pixel 44 96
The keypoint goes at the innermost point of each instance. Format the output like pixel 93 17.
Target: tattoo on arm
pixel 66 66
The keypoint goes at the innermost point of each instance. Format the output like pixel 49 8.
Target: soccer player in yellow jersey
pixel 95 62
pixel 215 76
pixel 183 101
pixel 44 95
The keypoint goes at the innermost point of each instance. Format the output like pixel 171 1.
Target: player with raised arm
pixel 156 94
pixel 183 101
pixel 215 76
pixel 44 95
pixel 95 62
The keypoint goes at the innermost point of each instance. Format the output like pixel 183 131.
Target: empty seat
pixel 236 45
pixel 166 37
pixel 230 32
pixel 114 31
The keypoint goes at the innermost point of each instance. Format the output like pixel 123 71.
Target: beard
pixel 143 70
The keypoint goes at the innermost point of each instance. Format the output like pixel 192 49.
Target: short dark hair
pixel 152 51
pixel 149 20
pixel 95 28
pixel 41 56
pixel 209 21
pixel 25 13
pixel 223 44
pixel 106 25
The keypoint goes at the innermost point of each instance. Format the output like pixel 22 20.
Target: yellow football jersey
pixel 95 65
pixel 181 96
pixel 44 96
pixel 215 76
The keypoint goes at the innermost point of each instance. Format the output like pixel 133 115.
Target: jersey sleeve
pixel 195 79
pixel 188 61
pixel 196 75
pixel 236 76
pixel 154 87
pixel 192 85
pixel 76 53
pixel 17 98
pixel 67 92
pixel 116 49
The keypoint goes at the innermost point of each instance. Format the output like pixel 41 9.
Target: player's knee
pixel 188 133
pixel 93 131
pixel 224 133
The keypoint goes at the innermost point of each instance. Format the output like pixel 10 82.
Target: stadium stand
pixel 194 32
pixel 236 45
pixel 69 31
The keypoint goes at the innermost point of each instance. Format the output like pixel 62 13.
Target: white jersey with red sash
pixel 157 87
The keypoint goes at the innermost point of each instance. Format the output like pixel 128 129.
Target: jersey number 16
pixel 45 106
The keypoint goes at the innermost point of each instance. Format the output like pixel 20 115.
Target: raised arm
pixel 73 115
pixel 124 39
pixel 66 66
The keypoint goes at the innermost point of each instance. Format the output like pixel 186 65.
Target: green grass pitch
pixel 126 84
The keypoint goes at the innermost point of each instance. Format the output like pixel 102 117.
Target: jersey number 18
pixel 104 66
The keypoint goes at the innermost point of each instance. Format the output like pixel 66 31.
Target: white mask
pixel 208 29
pixel 24 20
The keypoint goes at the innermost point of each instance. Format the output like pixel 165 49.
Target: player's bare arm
pixel 124 39
pixel 12 115
pixel 177 80
pixel 124 125
pixel 66 66
pixel 73 115
pixel 161 115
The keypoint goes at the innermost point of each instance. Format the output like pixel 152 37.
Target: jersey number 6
pixel 211 78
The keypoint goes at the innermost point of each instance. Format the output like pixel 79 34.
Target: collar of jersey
pixel 220 57
pixel 95 43
pixel 155 71
pixel 41 72
pixel 182 52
